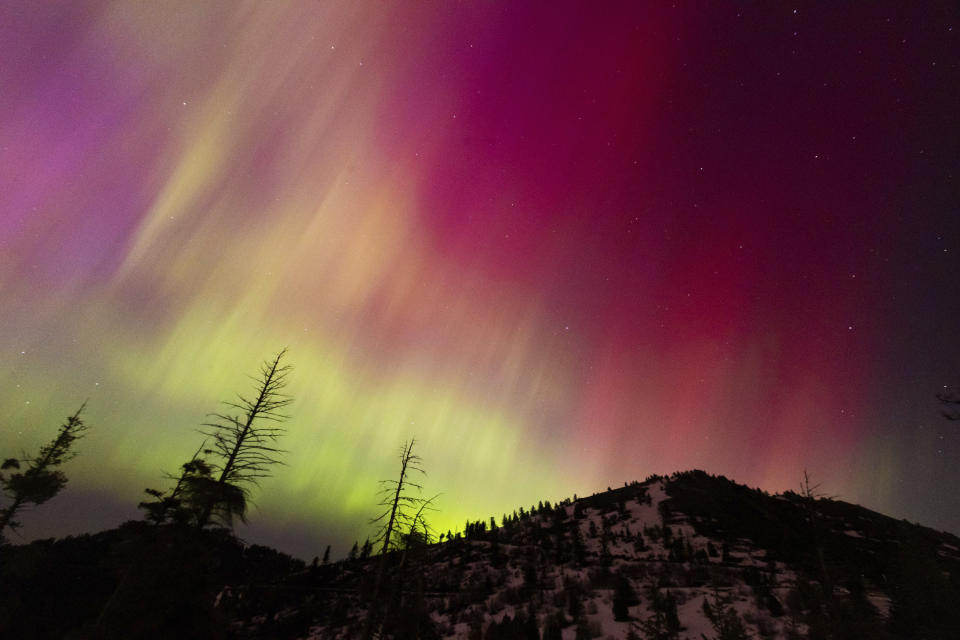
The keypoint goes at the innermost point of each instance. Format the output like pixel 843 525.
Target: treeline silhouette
pixel 181 572
pixel 168 575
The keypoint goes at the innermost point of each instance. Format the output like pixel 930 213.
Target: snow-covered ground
pixel 730 574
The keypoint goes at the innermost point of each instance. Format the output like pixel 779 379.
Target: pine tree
pixel 243 446
pixel 664 622
pixel 639 544
pixel 177 506
pixel 552 630
pixel 239 449
pixel 577 511
pixel 724 617
pixel 40 478
pixel 624 597
pixel 576 544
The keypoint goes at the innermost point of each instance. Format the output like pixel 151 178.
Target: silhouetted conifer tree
pixel 530 630
pixel 176 506
pixel 639 544
pixel 577 546
pixel 215 483
pixel 34 480
pixel 574 601
pixel 726 622
pixel 243 446
pixel 664 622
pixel 624 597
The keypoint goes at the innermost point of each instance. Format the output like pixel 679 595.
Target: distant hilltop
pixel 687 556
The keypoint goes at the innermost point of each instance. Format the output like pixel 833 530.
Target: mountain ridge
pixel 685 556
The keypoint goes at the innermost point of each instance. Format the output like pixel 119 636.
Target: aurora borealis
pixel 564 246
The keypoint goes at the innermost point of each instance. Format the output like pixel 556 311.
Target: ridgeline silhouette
pixel 688 556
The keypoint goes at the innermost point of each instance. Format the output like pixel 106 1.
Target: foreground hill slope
pixel 686 556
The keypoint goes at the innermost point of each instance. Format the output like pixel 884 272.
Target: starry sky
pixel 565 247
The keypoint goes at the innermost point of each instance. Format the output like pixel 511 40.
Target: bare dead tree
pixel 40 478
pixel 408 586
pixel 420 528
pixel 810 494
pixel 243 447
pixel 396 497
pixel 403 510
pixel 420 533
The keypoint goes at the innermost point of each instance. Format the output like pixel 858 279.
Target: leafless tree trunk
pixel 398 503
pixel 245 445
pixel 810 494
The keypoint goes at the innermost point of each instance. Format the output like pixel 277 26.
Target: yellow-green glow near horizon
pixel 244 245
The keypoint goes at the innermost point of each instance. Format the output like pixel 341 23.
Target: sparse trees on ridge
pixel 34 480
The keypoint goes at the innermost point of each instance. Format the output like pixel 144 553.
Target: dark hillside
pixel 687 556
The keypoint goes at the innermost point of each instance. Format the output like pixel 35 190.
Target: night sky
pixel 565 245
